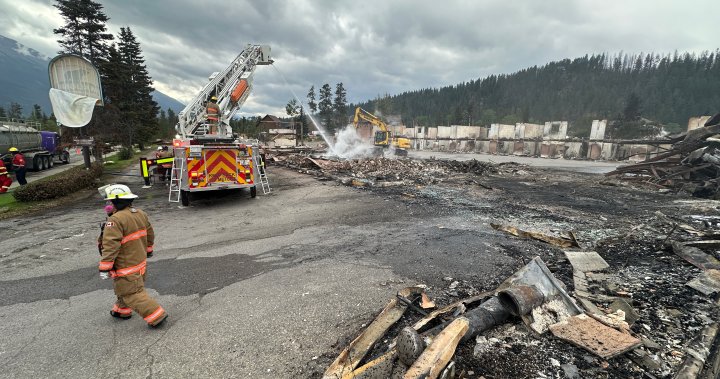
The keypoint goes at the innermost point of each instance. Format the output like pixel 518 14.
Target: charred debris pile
pixel 640 306
pixel 383 172
pixel 692 164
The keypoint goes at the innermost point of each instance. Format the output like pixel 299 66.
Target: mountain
pixel 24 79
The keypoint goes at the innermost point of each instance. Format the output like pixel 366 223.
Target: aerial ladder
pixel 206 161
pixel 383 139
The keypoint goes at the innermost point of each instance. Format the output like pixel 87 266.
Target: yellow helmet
pixel 117 191
pixel 214 98
pixel 13 149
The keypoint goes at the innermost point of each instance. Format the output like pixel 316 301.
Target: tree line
pixel 641 92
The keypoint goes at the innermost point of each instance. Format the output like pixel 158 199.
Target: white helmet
pixel 116 191
pixel 159 148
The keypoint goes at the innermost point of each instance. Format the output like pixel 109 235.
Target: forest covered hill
pixel 667 89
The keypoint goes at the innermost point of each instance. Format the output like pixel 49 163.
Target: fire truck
pixel 210 157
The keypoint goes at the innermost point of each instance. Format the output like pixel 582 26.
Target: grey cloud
pixel 376 47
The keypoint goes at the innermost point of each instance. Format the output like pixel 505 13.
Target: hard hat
pixel 160 148
pixel 214 98
pixel 13 149
pixel 117 191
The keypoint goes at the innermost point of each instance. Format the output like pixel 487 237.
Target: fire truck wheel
pixel 185 198
pixel 51 162
pixel 253 192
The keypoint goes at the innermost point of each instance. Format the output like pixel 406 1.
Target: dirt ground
pixel 275 287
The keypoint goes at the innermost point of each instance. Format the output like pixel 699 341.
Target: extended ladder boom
pixel 231 87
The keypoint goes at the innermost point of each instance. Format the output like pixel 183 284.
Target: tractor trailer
pixel 41 148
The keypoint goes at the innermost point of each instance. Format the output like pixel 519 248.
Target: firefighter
pixel 213 114
pixel 18 163
pixel 127 242
pixel 163 170
pixel 5 179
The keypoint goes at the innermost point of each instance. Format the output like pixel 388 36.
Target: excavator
pixel 383 138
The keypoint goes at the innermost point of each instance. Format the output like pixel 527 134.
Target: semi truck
pixel 42 149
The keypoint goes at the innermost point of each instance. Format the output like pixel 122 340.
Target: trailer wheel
pixel 185 198
pixel 253 191
pixel 37 165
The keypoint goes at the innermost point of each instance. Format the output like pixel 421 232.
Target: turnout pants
pixel 20 175
pixel 131 296
pixel 5 182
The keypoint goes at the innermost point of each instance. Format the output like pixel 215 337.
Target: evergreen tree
pixel 311 100
pixel 16 110
pixel 326 106
pixel 340 105
pixel 84 32
pixel 2 112
pixel 37 113
pixel 141 110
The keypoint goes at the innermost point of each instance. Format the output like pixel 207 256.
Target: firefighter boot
pixel 121 311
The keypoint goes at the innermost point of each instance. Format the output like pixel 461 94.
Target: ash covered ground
pixel 630 227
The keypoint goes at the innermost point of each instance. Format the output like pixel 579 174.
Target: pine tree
pixel 141 109
pixel 2 112
pixel 84 32
pixel 340 105
pixel 311 100
pixel 16 110
pixel 326 106
pixel 36 113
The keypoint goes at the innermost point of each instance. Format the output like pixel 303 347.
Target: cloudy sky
pixel 374 47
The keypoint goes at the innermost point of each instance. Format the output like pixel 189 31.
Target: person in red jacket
pixel 5 179
pixel 18 163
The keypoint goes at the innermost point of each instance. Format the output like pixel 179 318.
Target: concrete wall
pixel 573 150
pixel 444 132
pixel 432 132
pixel 555 130
pixel 469 131
pixel 501 131
pixel 597 130
pixel 524 130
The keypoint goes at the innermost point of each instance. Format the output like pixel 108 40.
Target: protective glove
pixel 104 275
pixel 149 251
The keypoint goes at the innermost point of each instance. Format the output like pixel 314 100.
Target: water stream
pixel 318 126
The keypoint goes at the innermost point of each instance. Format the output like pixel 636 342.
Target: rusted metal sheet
pixel 436 356
pixel 351 356
pixel 586 332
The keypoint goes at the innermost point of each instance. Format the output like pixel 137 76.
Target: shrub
pixel 59 185
pixel 125 153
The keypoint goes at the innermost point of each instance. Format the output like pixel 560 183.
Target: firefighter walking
pixel 127 242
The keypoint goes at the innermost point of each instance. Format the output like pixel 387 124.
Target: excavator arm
pixel 231 86
pixel 382 137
